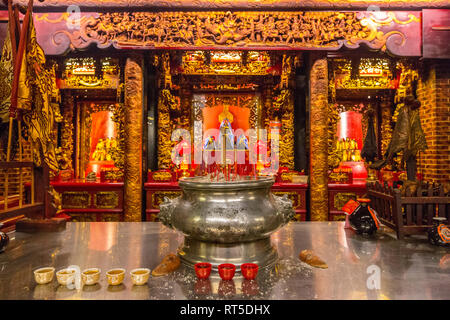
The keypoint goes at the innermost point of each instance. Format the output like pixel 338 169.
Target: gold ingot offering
pixel 140 276
pixel 115 276
pixel 65 276
pixel 91 276
pixel 44 275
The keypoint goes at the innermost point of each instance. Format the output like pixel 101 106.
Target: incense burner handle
pixel 284 207
pixel 166 209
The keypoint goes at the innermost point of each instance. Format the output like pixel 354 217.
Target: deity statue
pixel 408 137
pixel 227 132
pixel 226 114
pixel 225 120
pixel 242 142
pixel 210 144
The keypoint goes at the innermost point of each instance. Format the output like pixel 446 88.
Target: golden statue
pixel 226 114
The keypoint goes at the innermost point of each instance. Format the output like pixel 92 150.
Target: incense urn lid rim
pixel 251 183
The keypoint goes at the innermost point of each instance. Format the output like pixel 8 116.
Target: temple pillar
pixel 133 139
pixel 319 137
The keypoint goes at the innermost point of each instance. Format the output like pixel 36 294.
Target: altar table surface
pixel 359 267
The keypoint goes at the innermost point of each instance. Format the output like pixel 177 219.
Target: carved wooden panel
pixel 398 32
pixel 157 197
pixel 341 198
pixel 75 199
pixel 241 4
pixel 106 200
pixel 295 197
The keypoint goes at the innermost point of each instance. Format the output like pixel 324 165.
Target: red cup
pixel 249 270
pixel 203 270
pixel 226 271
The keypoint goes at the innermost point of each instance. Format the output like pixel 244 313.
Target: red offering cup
pixel 203 270
pixel 249 270
pixel 226 271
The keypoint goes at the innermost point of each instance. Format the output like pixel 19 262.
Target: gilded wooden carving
pixel 334 157
pixel 167 104
pixel 133 140
pixel 114 217
pixel 275 29
pixel 82 73
pixel 408 82
pixel 363 73
pixel 64 153
pixel 293 196
pixel 106 199
pixel 338 217
pixel 158 197
pixel 226 62
pixel 75 199
pixel 319 139
pixel 341 198
pixel 162 176
pixel 84 217
pixel 247 4
pixel 386 127
pixel 284 106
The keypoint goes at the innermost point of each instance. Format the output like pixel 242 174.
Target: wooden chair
pixel 411 213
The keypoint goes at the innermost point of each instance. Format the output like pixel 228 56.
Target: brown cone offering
pixel 310 258
pixel 170 263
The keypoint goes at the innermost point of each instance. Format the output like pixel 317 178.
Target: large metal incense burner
pixel 227 222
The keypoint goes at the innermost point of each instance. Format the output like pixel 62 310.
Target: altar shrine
pixel 309 97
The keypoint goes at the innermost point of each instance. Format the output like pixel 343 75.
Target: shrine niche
pixel 102 140
pixel 243 108
pixel 357 85
pixel 197 86
pixel 251 30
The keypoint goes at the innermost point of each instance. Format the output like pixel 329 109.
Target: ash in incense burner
pixel 227 221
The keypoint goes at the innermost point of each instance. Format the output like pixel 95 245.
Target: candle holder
pixel 140 276
pixel 249 270
pixel 115 276
pixel 65 276
pixel 203 270
pixel 91 276
pixel 44 275
pixel 226 271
